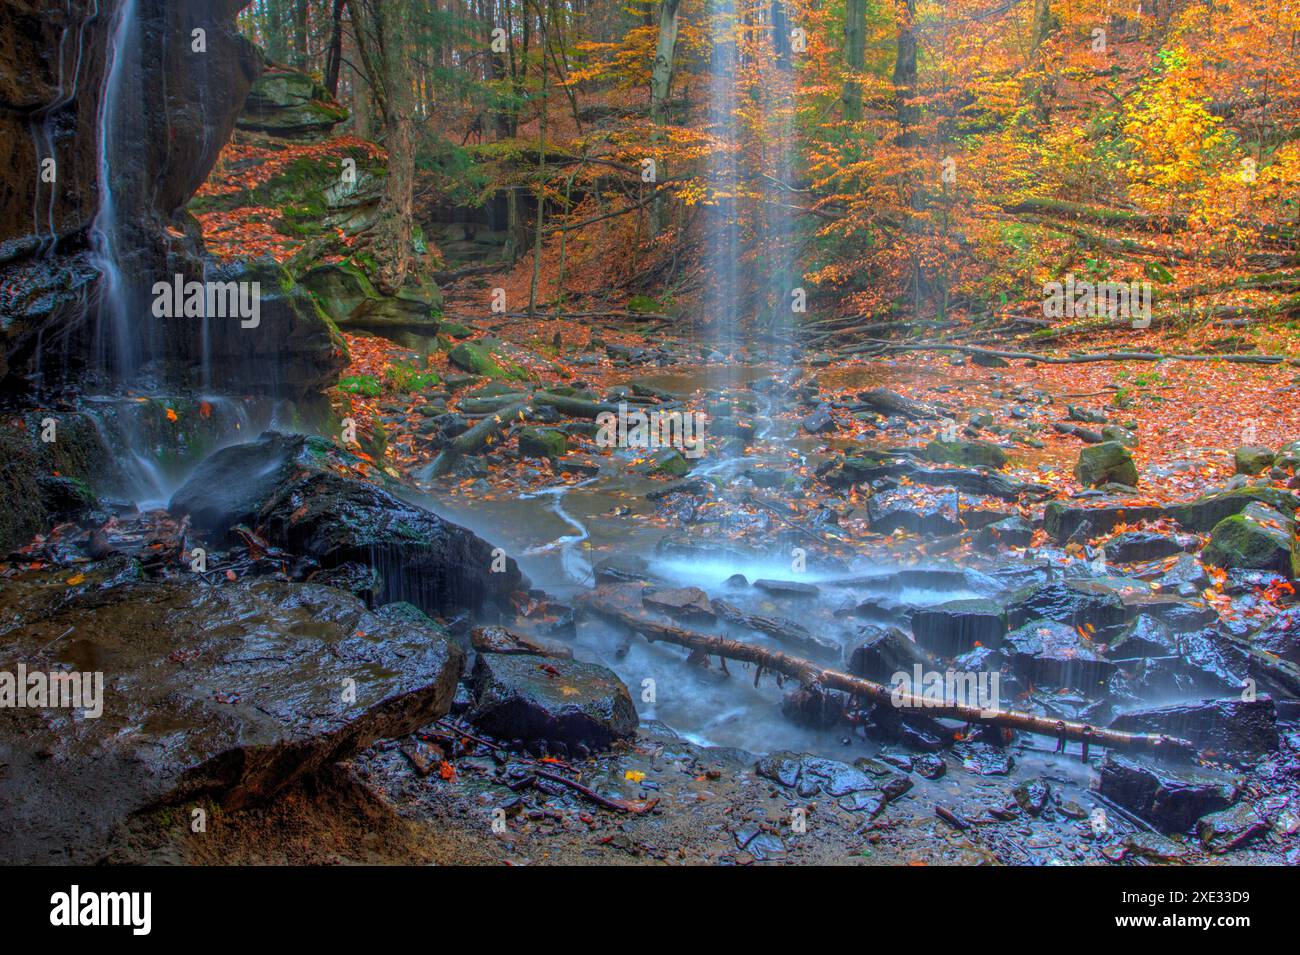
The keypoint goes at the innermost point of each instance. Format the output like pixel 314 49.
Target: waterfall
pixel 115 341
pixel 723 251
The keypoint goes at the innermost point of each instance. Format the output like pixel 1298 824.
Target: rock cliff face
pixel 138 95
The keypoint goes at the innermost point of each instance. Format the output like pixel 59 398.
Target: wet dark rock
pixel 530 698
pixel 811 775
pixel 930 766
pixel 1032 795
pixel 1180 616
pixel 500 640
pixel 229 692
pixel 883 652
pixel 1062 521
pixel 1079 603
pixel 872 802
pixel 787 588
pixel 231 486
pixel 1008 532
pixel 736 582
pixel 819 422
pixel 1281 635
pixel 929 515
pixel 1231 729
pixel 959 625
pixel 360 580
pixel 1186 578
pixel 1137 546
pixel 983 759
pixel 1231 828
pixel 911 727
pixel 1202 514
pixel 1056 654
pixel 815 707
pixel 296 504
pixel 688 603
pixel 1145 636
pixel 1171 799
pixel 851 471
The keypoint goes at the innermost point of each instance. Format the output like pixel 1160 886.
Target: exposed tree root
pixel 605 603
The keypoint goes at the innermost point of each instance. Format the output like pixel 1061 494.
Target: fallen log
pixel 1074 359
pixel 474 441
pixel 603 603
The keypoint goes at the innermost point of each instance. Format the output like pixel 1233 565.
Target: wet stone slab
pixel 227 691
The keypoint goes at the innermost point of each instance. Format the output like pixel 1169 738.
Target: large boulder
pixel 1171 799
pixel 1205 512
pixel 1057 654
pixel 1259 538
pixel 1106 463
pixel 1233 729
pixel 282 485
pixel 1080 603
pixel 289 104
pixel 959 625
pixel 535 699
pixel 349 298
pixel 224 693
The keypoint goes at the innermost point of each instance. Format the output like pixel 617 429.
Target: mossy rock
pixel 1204 513
pixel 408 380
pixel 542 443
pixel 1106 463
pixel 1253 459
pixel 360 385
pixel 347 295
pixel 291 105
pixel 666 462
pixel 1258 538
pixel 478 359
pixel 967 453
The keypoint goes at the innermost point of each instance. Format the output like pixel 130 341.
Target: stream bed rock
pixel 222 692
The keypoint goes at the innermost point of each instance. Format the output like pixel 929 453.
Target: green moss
pixel 408 380
pixel 360 385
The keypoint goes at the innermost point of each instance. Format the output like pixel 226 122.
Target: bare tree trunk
pixel 855 56
pixel 661 81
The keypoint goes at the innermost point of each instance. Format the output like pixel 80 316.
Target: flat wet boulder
pixel 1099 610
pixel 811 775
pixel 959 625
pixel 1057 654
pixel 227 692
pixel 1231 729
pixel 1062 521
pixel 865 470
pixel 687 603
pixel 787 588
pixel 916 512
pixel 1135 546
pixel 1171 799
pixel 532 699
